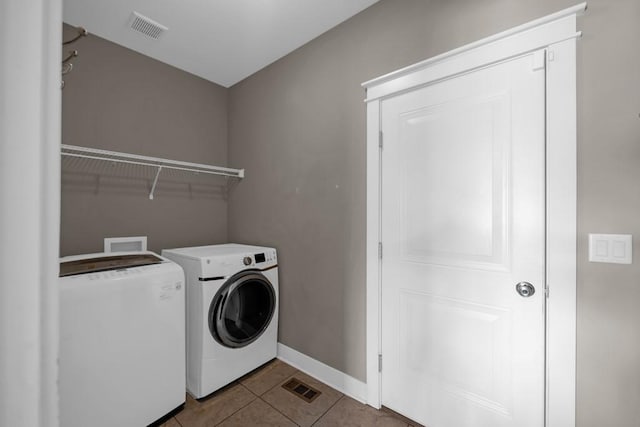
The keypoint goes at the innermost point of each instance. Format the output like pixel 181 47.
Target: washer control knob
pixel 247 260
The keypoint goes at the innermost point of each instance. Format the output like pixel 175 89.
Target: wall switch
pixel 613 248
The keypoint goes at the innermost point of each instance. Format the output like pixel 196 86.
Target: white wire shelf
pixel 155 162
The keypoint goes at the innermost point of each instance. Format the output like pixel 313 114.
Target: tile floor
pixel 259 400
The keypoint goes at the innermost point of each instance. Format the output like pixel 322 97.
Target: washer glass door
pixel 242 309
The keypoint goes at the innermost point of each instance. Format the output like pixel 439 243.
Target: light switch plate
pixel 613 248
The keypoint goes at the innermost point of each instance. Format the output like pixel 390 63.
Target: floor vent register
pixel 302 390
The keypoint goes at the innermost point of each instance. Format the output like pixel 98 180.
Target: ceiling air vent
pixel 146 26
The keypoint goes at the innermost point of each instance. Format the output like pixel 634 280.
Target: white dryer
pixel 232 312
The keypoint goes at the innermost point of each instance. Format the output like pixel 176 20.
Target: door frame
pixel 557 35
pixel 30 121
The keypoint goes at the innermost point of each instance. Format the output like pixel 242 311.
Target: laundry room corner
pixel 119 100
pixel 432 205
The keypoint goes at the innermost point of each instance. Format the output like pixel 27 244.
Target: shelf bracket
pixel 155 181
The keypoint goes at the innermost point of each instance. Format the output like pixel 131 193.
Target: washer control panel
pixel 259 258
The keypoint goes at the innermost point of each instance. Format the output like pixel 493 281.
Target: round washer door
pixel 242 309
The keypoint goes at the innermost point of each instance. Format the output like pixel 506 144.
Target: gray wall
pixel 298 126
pixel 609 202
pixel 117 99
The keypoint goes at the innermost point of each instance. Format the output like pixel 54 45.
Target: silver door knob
pixel 525 289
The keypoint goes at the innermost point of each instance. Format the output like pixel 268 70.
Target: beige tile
pixel 190 401
pixel 215 409
pixel 267 377
pixel 298 410
pixel 351 413
pixel 401 417
pixel 258 414
pixel 171 422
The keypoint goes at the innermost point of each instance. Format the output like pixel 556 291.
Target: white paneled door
pixel 463 222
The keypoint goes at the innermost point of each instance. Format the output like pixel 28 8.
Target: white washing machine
pixel 232 312
pixel 122 339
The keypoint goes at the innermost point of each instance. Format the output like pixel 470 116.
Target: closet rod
pixel 135 159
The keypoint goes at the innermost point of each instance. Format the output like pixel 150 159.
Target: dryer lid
pixel 106 263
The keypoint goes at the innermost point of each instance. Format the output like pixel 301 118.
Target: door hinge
pixel 380 138
pixel 379 363
pixel 551 56
pixel 380 250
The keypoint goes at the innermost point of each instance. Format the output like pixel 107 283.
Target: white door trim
pixel 557 34
pixel 30 111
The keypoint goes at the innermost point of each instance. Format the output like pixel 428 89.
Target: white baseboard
pixel 342 382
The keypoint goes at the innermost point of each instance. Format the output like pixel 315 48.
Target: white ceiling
pixel 223 41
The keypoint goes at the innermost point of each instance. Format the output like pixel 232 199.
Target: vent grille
pixel 302 390
pixel 146 26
